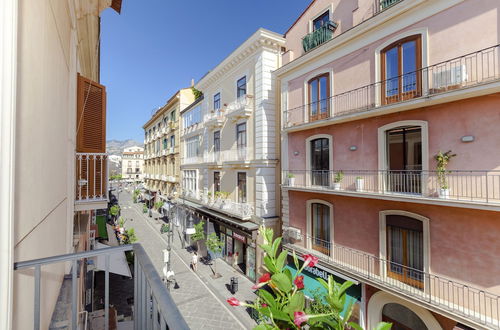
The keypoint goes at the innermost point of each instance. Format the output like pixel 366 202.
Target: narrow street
pixel 201 299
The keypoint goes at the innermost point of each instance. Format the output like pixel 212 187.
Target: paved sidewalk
pixel 200 298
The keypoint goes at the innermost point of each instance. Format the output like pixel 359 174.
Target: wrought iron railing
pixel 91 177
pixel 318 36
pixel 241 210
pixel 465 186
pixel 153 305
pixel 466 71
pixel 449 295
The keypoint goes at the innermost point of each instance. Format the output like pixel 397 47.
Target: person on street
pixel 194 262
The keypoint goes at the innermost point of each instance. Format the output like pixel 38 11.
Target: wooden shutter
pixel 91 116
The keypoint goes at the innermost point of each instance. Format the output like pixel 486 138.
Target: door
pixel 320 228
pixel 404 160
pixel 320 162
pixel 319 97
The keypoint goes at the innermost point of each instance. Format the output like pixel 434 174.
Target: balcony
pixel 171 179
pixel 171 150
pixel 238 155
pixel 243 211
pixel 438 83
pixel 456 187
pixel 319 36
pixel 192 160
pixel 472 306
pixel 241 108
pixel 153 305
pixel 91 181
pixel 215 119
pixel 164 152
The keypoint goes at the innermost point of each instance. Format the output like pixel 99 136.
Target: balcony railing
pixel 241 154
pixel 241 107
pixel 215 118
pixel 466 71
pixel 153 305
pixel 192 160
pixel 244 211
pixel 459 299
pixel 91 177
pixel 318 36
pixel 464 186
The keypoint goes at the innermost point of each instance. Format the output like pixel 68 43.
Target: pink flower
pixel 264 305
pixel 299 282
pixel 310 260
pixel 299 318
pixel 234 302
pixel 265 278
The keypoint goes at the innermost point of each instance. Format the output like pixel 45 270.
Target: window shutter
pixel 91 116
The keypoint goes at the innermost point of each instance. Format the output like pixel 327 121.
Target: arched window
pixel 401 64
pixel 401 317
pixel 319 93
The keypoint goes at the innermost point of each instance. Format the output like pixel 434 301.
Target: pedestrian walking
pixel 194 261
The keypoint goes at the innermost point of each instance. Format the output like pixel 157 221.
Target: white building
pixel 230 149
pixel 133 164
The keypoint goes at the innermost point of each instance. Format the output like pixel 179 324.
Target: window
pixel 172 141
pixel 189 181
pixel 137 170
pixel 319 92
pixel 158 145
pixel 321 20
pixel 320 161
pixel 242 187
pixel 401 62
pixel 192 117
pixel 217 143
pixel 404 159
pixel 192 146
pixel 320 227
pixel 241 140
pixel 216 182
pixel 172 116
pixel 217 101
pixel 165 143
pixel 405 249
pixel 241 87
pixel 136 163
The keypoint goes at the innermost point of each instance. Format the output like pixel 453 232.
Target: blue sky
pixel 156 47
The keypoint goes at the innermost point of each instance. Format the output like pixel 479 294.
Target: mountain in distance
pixel 115 147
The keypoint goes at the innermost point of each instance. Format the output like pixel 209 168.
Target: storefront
pixel 313 288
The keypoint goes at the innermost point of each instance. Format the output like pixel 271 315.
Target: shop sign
pixel 239 237
pixel 317 272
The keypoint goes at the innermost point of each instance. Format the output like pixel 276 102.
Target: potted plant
pixel 291 179
pixel 144 208
pixel 360 183
pixel 337 179
pixel 442 160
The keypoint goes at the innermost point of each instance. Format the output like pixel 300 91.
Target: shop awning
pixel 146 196
pixel 117 262
pixel 248 225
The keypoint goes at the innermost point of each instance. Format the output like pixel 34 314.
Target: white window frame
pixel 308 241
pixel 321 12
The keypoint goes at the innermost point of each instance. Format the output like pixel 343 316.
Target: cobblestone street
pixel 200 298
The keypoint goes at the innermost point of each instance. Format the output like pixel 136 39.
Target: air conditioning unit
pixel 448 77
pixel 294 233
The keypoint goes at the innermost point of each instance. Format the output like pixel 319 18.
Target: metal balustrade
pixel 91 177
pixel 451 296
pixel 462 72
pixel 153 305
pixel 464 186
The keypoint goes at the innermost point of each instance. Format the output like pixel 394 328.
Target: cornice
pixel 261 39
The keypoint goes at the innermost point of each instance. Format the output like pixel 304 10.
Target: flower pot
pixel 360 184
pixel 336 186
pixel 444 193
pixel 291 182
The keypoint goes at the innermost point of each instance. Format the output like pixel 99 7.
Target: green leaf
pixel 280 315
pixel 288 273
pixel 269 264
pixel 282 282
pixel 268 298
pixel 280 262
pixel 263 327
pixel 322 282
pixel 297 302
pixel 276 245
pixel 267 248
pixel 383 326
pixel 295 261
pixel 355 326
pixel 343 288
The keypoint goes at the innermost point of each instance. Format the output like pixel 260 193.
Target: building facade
pixel 230 150
pixel 53 159
pixel 133 164
pixel 390 172
pixel 161 148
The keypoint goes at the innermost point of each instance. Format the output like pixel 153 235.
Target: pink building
pixel 371 92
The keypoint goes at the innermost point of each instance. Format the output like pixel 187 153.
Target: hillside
pixel 115 147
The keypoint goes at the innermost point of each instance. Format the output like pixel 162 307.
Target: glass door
pixel 320 162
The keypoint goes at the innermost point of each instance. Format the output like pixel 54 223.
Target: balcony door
pixel 320 228
pixel 401 70
pixel 404 160
pixel 217 145
pixel 242 187
pixel 319 93
pixel 405 250
pixel 320 162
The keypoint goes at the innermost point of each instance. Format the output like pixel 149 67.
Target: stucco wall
pixel 463 242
